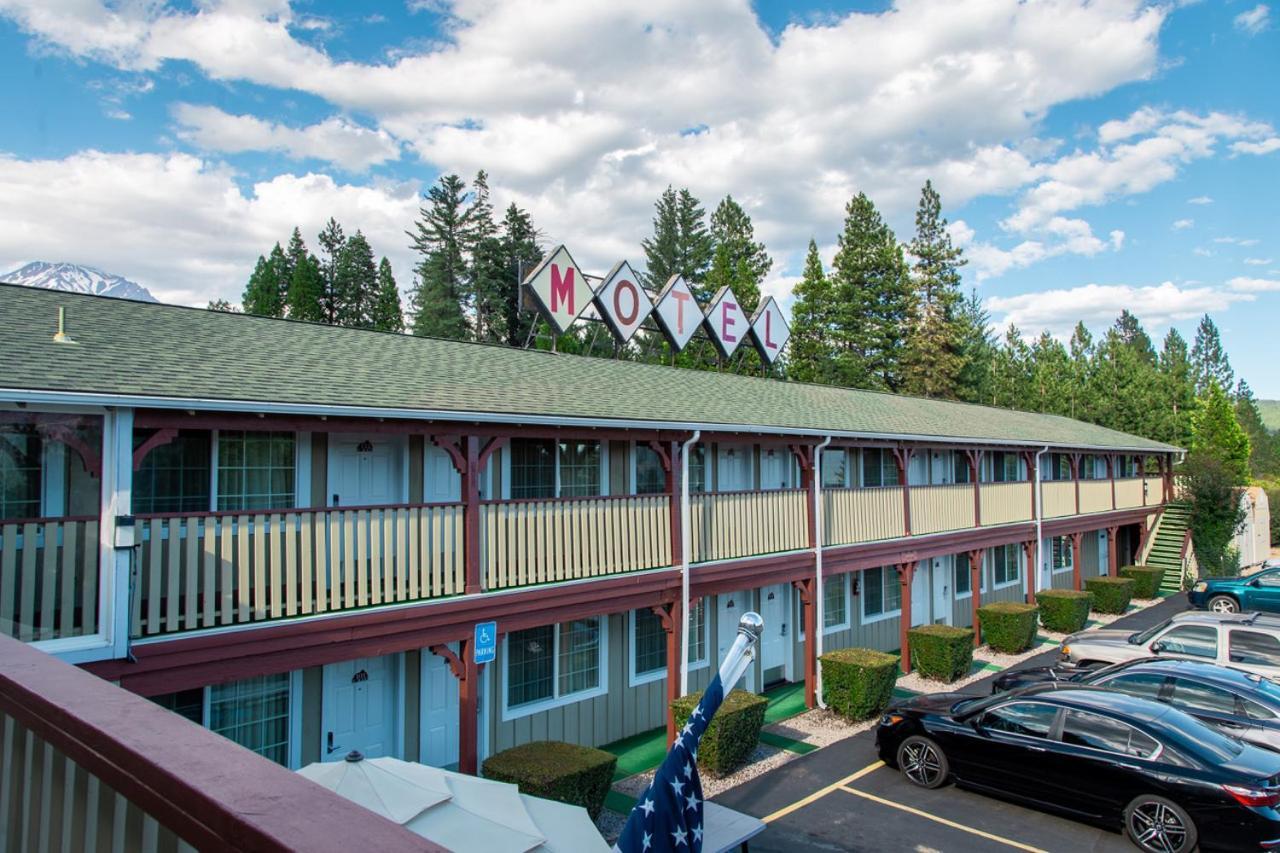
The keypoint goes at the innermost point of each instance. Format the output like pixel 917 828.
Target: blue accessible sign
pixel 486 645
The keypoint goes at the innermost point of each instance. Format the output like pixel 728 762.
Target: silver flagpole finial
pixel 751 626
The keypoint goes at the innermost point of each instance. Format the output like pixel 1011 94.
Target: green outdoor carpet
pixel 785 702
pixel 638 753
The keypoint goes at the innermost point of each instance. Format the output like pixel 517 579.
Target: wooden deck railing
pixel 539 541
pixel 1059 498
pixel 724 525
pixel 202 570
pixel 938 508
pixel 49 578
pixel 863 515
pixel 1095 496
pixel 1005 503
pixel 1155 491
pixel 1128 492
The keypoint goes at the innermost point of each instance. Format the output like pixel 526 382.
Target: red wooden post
pixel 1113 552
pixel 669 454
pixel 1029 553
pixel 975 474
pixel 1111 475
pixel 902 458
pixel 808 613
pixel 467 671
pixel 1029 460
pixel 905 573
pixel 809 482
pixel 469 461
pixel 1075 475
pixel 1077 557
pixel 671 623
pixel 1166 469
pixel 975 589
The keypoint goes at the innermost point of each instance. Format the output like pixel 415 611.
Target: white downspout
pixel 684 560
pixel 1039 492
pixel 819 520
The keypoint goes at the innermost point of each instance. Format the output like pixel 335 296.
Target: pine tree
pixel 738 258
pixel 1209 362
pixel 223 306
pixel 1129 331
pixel 1051 375
pixel 1013 383
pixel 306 290
pixel 490 281
pixel 264 295
pixel 977 352
pixel 387 315
pixel 681 244
pixel 355 283
pixel 1264 454
pixel 1178 391
pixel 296 251
pixel 1124 388
pixel 873 296
pixel 438 300
pixel 1081 352
pixel 331 242
pixel 1216 432
pixel 520 254
pixel 812 348
pixel 933 358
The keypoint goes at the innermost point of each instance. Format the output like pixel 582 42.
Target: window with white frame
pixel 174 477
pixel 21 471
pixel 1006 564
pixel 1056 466
pixel 698 634
pixel 1060 546
pixel 835 468
pixel 960 470
pixel 1006 467
pixel 256 470
pixel 835 602
pixel 879 467
pixel 579 469
pixel 534 464
pixel 649 642
pixel 963 570
pixel 554 662
pixel 254 713
pixel 881 592
pixel 650 477
pixel 698 468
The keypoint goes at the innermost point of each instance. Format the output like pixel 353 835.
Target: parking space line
pixel 821 792
pixel 942 820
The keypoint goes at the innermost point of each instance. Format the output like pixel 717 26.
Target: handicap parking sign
pixel 486 644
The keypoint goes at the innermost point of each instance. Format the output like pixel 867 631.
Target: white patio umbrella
pixel 458 811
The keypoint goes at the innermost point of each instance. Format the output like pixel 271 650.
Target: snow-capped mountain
pixel 76 279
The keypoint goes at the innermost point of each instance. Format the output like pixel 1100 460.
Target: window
pixel 835 603
pixel 1197 696
pixel 698 468
pixel 579 469
pixel 649 644
pixel 960 471
pixel 1195 640
pixel 1006 467
pixel 1253 647
pixel 20 472
pixel 255 470
pixel 1147 685
pixel 698 634
pixel 651 479
pixel 881 593
pixel 174 477
pixel 1081 728
pixel 835 468
pixel 1063 559
pixel 254 713
pixel 533 468
pixel 1021 718
pixel 1006 564
pixel 879 467
pixel 963 569
pixel 1271 579
pixel 184 703
pixel 1254 711
pixel 554 662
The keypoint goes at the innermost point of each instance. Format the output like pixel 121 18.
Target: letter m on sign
pixel 560 289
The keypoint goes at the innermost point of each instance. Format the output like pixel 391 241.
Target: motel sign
pixel 563 293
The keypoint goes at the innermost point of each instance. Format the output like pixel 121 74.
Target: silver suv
pixel 1248 641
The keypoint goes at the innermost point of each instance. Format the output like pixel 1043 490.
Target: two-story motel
pixel 287 532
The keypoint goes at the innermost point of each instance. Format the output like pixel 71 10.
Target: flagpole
pixel 742 652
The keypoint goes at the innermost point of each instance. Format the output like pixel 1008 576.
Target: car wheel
pixel 1224 604
pixel 922 762
pixel 1157 825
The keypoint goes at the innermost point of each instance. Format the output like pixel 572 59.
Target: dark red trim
pixel 975 591
pixel 906 572
pixel 1032 570
pixel 573 500
pixel 1077 560
pixel 805 587
pixel 902 458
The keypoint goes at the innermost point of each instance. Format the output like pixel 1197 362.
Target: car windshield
pixel 1141 637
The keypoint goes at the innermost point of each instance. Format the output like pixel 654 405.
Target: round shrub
pixel 554 770
pixel 1063 610
pixel 1110 595
pixel 1146 580
pixel 857 683
pixel 941 652
pixel 733 733
pixel 1008 626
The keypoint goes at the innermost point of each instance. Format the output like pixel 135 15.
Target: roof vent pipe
pixel 61 336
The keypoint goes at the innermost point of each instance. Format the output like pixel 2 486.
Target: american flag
pixel 668 815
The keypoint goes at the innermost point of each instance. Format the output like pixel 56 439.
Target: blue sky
pixel 1091 156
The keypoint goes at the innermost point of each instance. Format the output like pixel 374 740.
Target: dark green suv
pixel 1258 591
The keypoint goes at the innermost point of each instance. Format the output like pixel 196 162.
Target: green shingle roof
pixel 149 350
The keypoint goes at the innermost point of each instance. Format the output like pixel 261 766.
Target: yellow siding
pixel 863 515
pixel 1059 498
pixel 1006 503
pixel 938 508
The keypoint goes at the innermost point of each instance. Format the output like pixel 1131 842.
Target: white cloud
pixel 1257 262
pixel 1245 284
pixel 1183 224
pixel 1202 252
pixel 1057 311
pixel 1266 146
pixel 1255 20
pixel 1237 241
pixel 1200 199
pixel 336 140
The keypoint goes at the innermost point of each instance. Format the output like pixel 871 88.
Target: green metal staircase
pixel 1166 550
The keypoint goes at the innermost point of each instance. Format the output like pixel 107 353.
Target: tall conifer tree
pixel 521 252
pixel 933 355
pixel 331 242
pixel 680 243
pixel 438 300
pixel 812 348
pixel 387 315
pixel 306 290
pixel 355 283
pixel 1209 360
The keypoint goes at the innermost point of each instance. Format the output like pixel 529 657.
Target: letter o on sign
pixel 633 297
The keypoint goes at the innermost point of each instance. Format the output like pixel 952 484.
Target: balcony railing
pixel 1128 493
pixel 540 541
pixel 1059 498
pixel 49 578
pixel 1095 496
pixel 203 570
pixel 863 515
pixel 935 509
pixel 1005 503
pixel 725 525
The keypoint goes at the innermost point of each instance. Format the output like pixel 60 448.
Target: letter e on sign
pixel 727 322
pixel 678 313
pixel 622 302
pixel 560 289
pixel 769 330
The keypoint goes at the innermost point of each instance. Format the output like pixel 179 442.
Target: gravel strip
pixel 610 824
pixel 819 727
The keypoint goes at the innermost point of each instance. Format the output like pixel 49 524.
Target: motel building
pixel 288 533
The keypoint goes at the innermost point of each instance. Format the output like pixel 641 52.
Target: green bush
pixel 734 731
pixel 1146 580
pixel 554 770
pixel 1008 626
pixel 941 652
pixel 1063 610
pixel 858 684
pixel 1110 595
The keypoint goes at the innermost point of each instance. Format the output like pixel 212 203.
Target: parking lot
pixel 843 798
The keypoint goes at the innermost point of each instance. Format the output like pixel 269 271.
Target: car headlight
pixel 1200 586
pixel 1066 650
pixel 891 719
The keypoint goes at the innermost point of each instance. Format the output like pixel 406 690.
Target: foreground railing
pixel 1059 498
pixel 725 525
pixel 203 570
pixel 1006 503
pixel 1154 491
pixel 1095 496
pixel 1128 493
pixel 540 541
pixel 863 515
pixel 49 578
pixel 935 509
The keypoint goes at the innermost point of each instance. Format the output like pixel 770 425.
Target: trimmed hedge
pixel 554 770
pixel 1146 580
pixel 734 731
pixel 1063 610
pixel 1008 626
pixel 1110 595
pixel 857 683
pixel 941 652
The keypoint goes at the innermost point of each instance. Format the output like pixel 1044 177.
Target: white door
pixel 360 708
pixel 941 464
pixel 775 468
pixel 365 470
pixel 733 469
pixel 730 607
pixel 918 468
pixel 921 593
pixel 1104 560
pixel 941 583
pixel 774 607
pixel 441 482
pixel 439 711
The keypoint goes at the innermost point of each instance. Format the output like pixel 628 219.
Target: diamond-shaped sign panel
pixel 769 330
pixel 727 322
pixel 560 289
pixel 678 313
pixel 623 303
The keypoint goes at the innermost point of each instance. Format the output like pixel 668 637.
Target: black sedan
pixel 1170 781
pixel 1238 703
